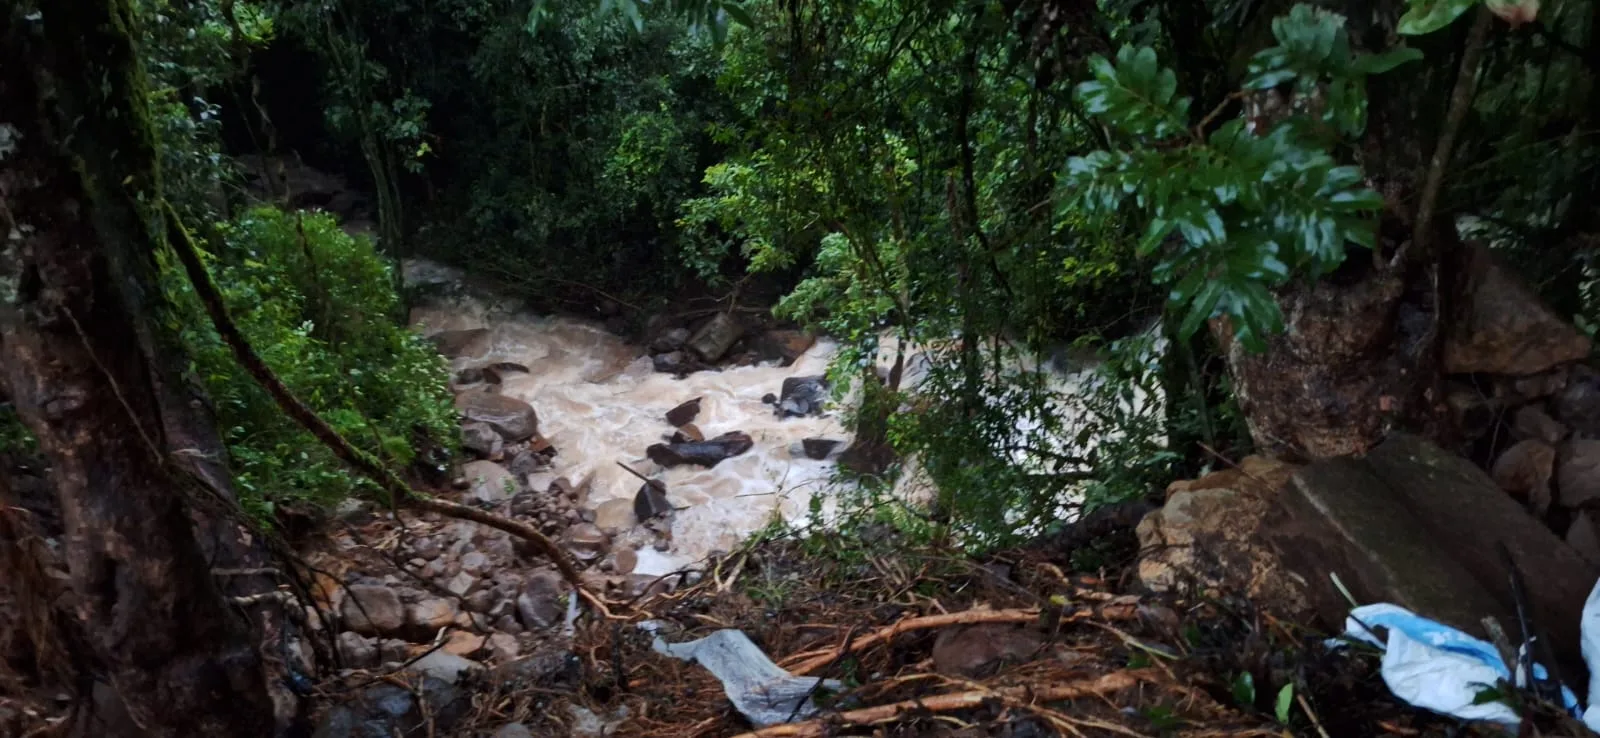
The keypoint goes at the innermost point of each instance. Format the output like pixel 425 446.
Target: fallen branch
pixel 364 463
pixel 805 662
pixel 1113 682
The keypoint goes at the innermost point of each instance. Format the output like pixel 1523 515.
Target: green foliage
pixel 1253 209
pixel 1284 705
pixel 14 436
pixel 318 306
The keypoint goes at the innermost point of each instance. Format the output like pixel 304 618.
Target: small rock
pixel 469 375
pixel 1505 328
pixel 513 730
pixel 444 666
pixel 474 562
pixel 1578 406
pixel 480 601
pixel 561 489
pixel 508 624
pixel 818 448
pixel 512 418
pixel 623 561
pixel 1524 471
pixel 1534 423
pixel 614 515
pixel 482 440
pixel 586 541
pixel 373 610
pixel 769 399
pixel 672 362
pixel 540 604
pixel 503 647
pixel 433 570
pixel 460 584
pixel 669 341
pixel 496 373
pixel 463 643
pixel 426 548
pixel 1578 475
pixel 977 650
pixel 428 616
pixel 490 482
pixel 394 650
pixel 688 433
pixel 683 414
pixel 651 501
pixel 523 462
pixel 357 651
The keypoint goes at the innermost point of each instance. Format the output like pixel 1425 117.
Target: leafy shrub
pixel 320 308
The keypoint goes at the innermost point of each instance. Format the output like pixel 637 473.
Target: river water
pixel 600 402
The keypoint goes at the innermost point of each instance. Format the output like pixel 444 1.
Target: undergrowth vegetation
pixel 320 307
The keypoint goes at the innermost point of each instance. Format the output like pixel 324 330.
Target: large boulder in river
pixel 802 396
pixel 701 453
pixel 1412 524
pixel 716 336
pixel 1503 327
pixel 471 342
pixel 512 418
pixel 783 345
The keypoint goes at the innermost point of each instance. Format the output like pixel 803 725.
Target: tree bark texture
pixel 87 363
pixel 1361 355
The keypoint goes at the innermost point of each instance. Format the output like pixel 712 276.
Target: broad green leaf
pixel 1201 309
pixel 1244 688
pixel 1380 63
pixel 739 14
pixel 1427 16
pixel 1285 703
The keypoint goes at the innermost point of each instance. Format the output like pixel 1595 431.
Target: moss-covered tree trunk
pixel 89 363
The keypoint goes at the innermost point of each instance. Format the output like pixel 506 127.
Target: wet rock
pixel 463 643
pixel 621 562
pixel 783 345
pixel 523 462
pixel 469 375
pixel 497 372
pixel 503 647
pixel 474 562
pixel 1578 475
pixel 1207 534
pixel 818 448
pixel 801 396
pixel 978 650
pixel 482 440
pixel 689 433
pixel 702 453
pixel 1578 406
pixel 1584 538
pixel 585 541
pixel 460 584
pixel 1534 387
pixel 616 515
pixel 1471 410
pixel 1524 471
pixel 672 340
pixel 541 605
pixel 426 548
pixel 357 651
pixel 384 710
pixel 428 616
pixel 508 624
pixel 512 418
pixel 444 666
pixel 716 337
pixel 469 342
pixel 561 489
pixel 1503 327
pixel 651 501
pixel 480 601
pixel 373 609
pixel 683 414
pixel 1412 524
pixel 489 482
pixel 673 362
pixel 394 650
pixel 1531 422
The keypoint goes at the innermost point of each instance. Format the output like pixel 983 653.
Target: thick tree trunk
pixel 1362 351
pixel 87 361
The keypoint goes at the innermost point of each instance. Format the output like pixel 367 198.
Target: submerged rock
pixel 801 396
pixel 470 342
pixel 683 414
pixel 651 501
pixel 512 418
pixel 702 453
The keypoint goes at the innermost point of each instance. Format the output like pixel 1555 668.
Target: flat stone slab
pixel 1412 524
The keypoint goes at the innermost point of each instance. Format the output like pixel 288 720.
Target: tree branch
pixel 362 462
pixel 1460 103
